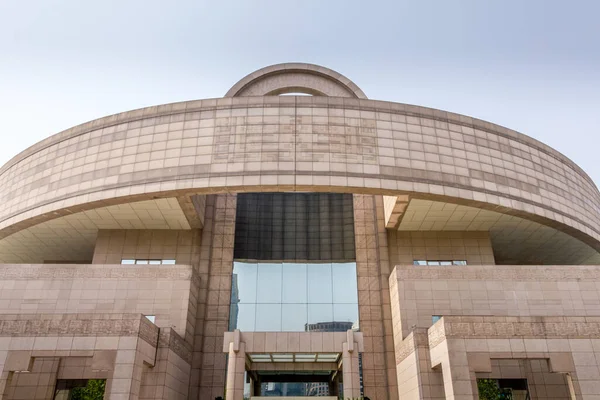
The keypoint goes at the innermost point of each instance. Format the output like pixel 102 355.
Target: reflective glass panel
pixel 294 297
pixel 293 317
pixel 269 283
pixel 294 283
pixel 128 261
pixel 346 313
pixel 320 288
pixel 245 274
pixel 244 317
pixel 320 313
pixel 268 318
pixel 344 283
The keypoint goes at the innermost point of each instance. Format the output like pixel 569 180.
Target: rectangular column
pixel 351 372
pixel 236 367
pixel 585 382
pixel 373 270
pixel 459 382
pixel 218 297
pixel 129 367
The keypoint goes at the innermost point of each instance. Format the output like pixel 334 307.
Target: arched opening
pixel 296 79
pixel 295 91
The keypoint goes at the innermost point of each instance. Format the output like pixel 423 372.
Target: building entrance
pixel 293 383
pixel 293 364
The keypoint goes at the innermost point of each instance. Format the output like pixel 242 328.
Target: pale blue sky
pixel 533 65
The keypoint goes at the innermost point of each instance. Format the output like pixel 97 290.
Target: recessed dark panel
pixel 294 226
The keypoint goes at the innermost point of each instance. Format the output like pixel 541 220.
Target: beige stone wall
pixel 163 291
pixel 301 143
pixel 474 247
pixel 75 346
pixel 559 356
pixel 416 379
pixel 38 384
pixel 114 245
pixel 170 377
pixel 419 292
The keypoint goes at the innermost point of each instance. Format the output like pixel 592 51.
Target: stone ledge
pixel 489 327
pixel 15 325
pixel 96 271
pixel 544 273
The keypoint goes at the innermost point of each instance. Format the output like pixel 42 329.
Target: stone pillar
pixel 373 271
pixel 350 367
pixel 127 375
pixel 216 295
pixel 459 382
pixel 236 368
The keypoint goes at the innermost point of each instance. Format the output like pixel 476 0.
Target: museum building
pixel 295 238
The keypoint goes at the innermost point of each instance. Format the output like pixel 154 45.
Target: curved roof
pixel 304 143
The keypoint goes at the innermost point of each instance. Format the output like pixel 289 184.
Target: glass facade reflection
pixel 293 296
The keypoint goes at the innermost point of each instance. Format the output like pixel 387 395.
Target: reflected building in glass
pixel 234 307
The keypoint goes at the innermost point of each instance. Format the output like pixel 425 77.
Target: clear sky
pixel 533 66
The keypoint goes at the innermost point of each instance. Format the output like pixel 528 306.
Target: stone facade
pixel 125 228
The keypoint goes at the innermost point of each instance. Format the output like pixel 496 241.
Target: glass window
pixel 243 318
pixel 151 318
pixel 145 262
pixel 245 280
pixel 293 297
pixel 439 262
pixel 345 288
pixel 345 313
pixel 320 313
pixel 294 283
pixel 293 317
pixel 268 318
pixel 269 283
pixel 435 318
pixel 320 288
